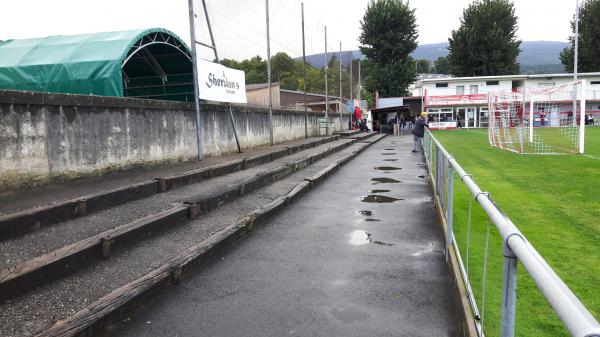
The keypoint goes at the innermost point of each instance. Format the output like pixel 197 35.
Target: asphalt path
pixel 359 255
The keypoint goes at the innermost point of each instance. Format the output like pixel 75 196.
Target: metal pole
pixel 326 92
pixel 449 208
pixel 340 104
pixel 531 118
pixel 351 84
pixel 351 94
pixel 575 59
pixel 575 62
pixel 212 39
pixel 359 86
pixel 509 292
pixel 582 117
pixel 304 76
pixel 237 142
pixel 269 76
pixel 195 75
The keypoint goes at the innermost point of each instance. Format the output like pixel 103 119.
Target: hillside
pixel 536 56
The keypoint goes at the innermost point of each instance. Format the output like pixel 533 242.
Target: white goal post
pixel 544 120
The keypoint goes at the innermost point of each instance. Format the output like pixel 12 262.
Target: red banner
pixel 457 99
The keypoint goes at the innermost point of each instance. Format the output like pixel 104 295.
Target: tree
pixel 255 69
pixel 423 66
pixel 389 35
pixel 441 66
pixel 282 65
pixel 485 43
pixel 588 56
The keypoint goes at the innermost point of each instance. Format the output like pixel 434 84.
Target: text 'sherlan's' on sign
pixel 219 83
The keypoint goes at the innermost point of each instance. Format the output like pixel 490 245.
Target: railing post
pixel 449 208
pixel 509 292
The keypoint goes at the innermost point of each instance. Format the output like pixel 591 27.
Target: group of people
pixel 358 122
pixel 399 123
pixel 589 119
pixel 418 125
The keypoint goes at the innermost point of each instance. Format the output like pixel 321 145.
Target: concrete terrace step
pixel 80 200
pixel 128 263
pixel 349 133
pixel 133 218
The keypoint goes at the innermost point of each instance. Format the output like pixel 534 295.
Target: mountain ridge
pixel 535 57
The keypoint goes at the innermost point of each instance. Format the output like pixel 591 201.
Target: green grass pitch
pixel 554 200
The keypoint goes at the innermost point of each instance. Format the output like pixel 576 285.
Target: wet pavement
pixel 331 264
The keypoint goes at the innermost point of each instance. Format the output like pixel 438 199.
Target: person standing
pixel 419 131
pixel 402 123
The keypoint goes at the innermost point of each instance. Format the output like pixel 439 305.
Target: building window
pixel 595 82
pixel 460 89
pixel 474 90
pixel 441 85
pixel 440 115
pixel 490 83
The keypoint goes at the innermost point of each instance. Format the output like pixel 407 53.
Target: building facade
pixel 464 100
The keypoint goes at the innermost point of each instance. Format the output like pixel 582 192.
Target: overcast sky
pixel 239 25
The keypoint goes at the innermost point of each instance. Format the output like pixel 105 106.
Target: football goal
pixel 544 120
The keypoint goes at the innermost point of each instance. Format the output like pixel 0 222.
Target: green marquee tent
pixel 149 63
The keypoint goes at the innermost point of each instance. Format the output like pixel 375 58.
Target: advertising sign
pixel 219 83
pixel 457 99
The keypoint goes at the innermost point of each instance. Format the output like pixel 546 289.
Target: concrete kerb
pixel 65 260
pixel 30 220
pixel 110 310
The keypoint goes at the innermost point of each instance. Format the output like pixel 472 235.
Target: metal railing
pixel 576 318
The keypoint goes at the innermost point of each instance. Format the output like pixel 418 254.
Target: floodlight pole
pixel 351 79
pixel 340 103
pixel 326 92
pixel 195 75
pixel 575 62
pixel 359 86
pixel 304 75
pixel 269 76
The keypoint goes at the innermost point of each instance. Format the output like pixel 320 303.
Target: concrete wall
pixel 47 136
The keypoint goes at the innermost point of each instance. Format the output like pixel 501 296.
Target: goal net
pixel 545 120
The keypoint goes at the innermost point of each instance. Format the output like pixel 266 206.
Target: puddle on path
pixel 388 168
pixel 348 315
pixel 389 149
pixel 424 250
pixel 360 238
pixel 379 191
pixel 390 160
pixel 365 212
pixel 388 153
pixel 384 181
pixel 422 177
pixel 378 199
pixel 372 220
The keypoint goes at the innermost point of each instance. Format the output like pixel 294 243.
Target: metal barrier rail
pixel 575 317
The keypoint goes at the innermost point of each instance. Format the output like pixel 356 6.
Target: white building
pixel 464 99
